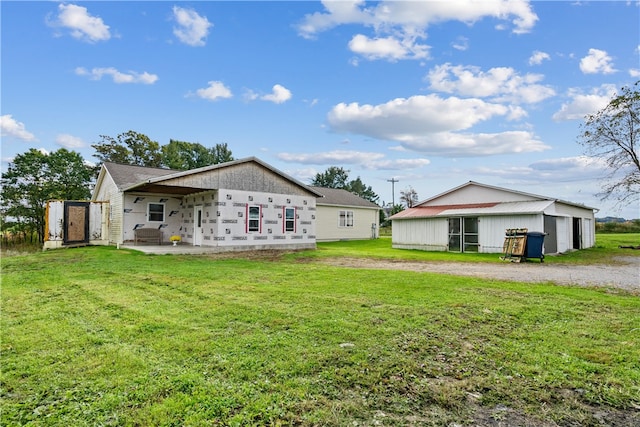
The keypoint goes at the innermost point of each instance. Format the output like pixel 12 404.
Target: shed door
pixel 76 222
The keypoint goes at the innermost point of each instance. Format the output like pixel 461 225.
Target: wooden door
pixel 76 222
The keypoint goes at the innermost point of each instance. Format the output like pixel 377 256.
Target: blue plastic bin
pixel 533 248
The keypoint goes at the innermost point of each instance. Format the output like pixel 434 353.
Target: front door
pixel 76 222
pixel 197 227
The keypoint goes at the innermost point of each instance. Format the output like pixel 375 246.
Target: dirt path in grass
pixel 624 275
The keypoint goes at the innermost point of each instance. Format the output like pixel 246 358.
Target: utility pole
pixel 393 192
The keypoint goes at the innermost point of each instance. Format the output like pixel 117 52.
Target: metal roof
pixel 476 209
pixel 522 193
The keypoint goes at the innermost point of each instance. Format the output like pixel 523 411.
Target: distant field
pixel 99 336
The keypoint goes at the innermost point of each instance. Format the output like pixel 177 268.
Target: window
pixel 254 218
pixel 345 219
pixel 289 219
pixel 155 212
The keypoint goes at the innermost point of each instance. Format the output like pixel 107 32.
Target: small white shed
pixel 474 217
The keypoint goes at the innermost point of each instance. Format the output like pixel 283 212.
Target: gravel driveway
pixel 624 275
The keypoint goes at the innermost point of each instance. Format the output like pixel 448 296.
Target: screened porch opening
pixel 463 234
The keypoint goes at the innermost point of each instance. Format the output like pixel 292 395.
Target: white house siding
pixel 429 234
pixel 134 215
pixel 329 229
pixel 107 190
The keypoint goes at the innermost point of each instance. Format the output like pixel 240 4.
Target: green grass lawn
pixel 99 336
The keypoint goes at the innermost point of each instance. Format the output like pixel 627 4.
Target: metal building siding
pixel 491 229
pixel 422 233
pixel 478 194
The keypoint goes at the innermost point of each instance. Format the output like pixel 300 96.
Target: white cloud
pixel 389 48
pixel 417 14
pixel 451 144
pixel 192 28
pixel 399 164
pixel 404 118
pixel 500 83
pixel 279 95
pixel 634 72
pixel 13 128
pixel 397 24
pixel 407 17
pixel 69 141
pixel 118 76
pixel 366 160
pixel 430 124
pixel 331 157
pixel 554 170
pixel 597 62
pixel 581 104
pixel 215 90
pixel 82 25
pixel 461 43
pixel 537 57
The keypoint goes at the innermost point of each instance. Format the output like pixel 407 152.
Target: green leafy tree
pixel 613 134
pixel 337 177
pixel 131 148
pixel 221 154
pixel 182 155
pixel 356 186
pixel 33 178
pixel 333 177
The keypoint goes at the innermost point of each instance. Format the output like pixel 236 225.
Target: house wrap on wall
pixel 242 204
pixel 474 217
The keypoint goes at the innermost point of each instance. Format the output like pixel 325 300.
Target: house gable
pixel 248 174
pixel 473 192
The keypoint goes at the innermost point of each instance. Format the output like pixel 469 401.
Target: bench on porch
pixel 147 234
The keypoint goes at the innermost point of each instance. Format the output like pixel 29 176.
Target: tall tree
pixel 34 177
pixel 409 197
pixel 358 187
pixel 221 153
pixel 333 177
pixel 613 134
pixel 337 177
pixel 184 155
pixel 131 148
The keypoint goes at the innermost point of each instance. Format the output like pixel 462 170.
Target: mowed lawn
pixel 99 336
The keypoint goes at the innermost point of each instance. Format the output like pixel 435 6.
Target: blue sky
pixel 432 94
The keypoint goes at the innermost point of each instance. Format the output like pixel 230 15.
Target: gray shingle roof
pixel 340 197
pixel 127 175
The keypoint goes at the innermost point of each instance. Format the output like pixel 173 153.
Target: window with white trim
pixel 289 219
pixel 155 212
pixel 254 218
pixel 345 219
